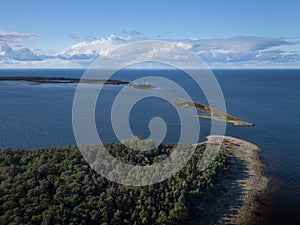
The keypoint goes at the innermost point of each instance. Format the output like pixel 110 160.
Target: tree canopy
pixel 57 186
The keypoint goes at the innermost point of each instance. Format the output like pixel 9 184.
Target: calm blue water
pixel 36 116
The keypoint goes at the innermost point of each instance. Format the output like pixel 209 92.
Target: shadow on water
pixel 279 206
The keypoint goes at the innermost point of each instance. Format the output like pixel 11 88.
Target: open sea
pixel 38 116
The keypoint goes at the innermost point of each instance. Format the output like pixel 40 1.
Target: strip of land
pixel 237 202
pixel 36 80
pixel 210 112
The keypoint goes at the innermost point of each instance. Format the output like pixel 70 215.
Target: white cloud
pixel 91 49
pixel 7 37
pixel 10 63
pixel 216 52
pixel 241 51
pixel 21 54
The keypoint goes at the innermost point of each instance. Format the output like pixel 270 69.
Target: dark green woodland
pixel 57 186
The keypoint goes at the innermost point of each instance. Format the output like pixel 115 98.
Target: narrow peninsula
pixel 210 112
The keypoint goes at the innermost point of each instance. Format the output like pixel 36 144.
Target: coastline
pixel 238 123
pixel 211 112
pixel 239 202
pixel 234 199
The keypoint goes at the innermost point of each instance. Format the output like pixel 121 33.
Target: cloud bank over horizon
pixel 232 52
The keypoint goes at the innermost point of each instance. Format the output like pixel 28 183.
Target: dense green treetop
pixel 57 186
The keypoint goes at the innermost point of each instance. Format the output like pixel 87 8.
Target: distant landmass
pixel 36 80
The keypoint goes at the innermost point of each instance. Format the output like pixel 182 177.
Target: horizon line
pixel 140 68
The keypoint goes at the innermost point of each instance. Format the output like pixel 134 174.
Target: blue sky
pixel 47 29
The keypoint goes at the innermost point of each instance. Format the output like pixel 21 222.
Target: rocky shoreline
pixel 238 200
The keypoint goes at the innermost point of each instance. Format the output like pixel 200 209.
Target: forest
pixel 57 186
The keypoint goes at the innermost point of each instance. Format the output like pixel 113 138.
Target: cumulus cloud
pixel 91 49
pixel 216 52
pixel 7 37
pixel 235 48
pixel 240 51
pixel 22 54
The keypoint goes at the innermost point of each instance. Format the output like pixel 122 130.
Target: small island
pixel 145 87
pixel 211 112
pixel 38 80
